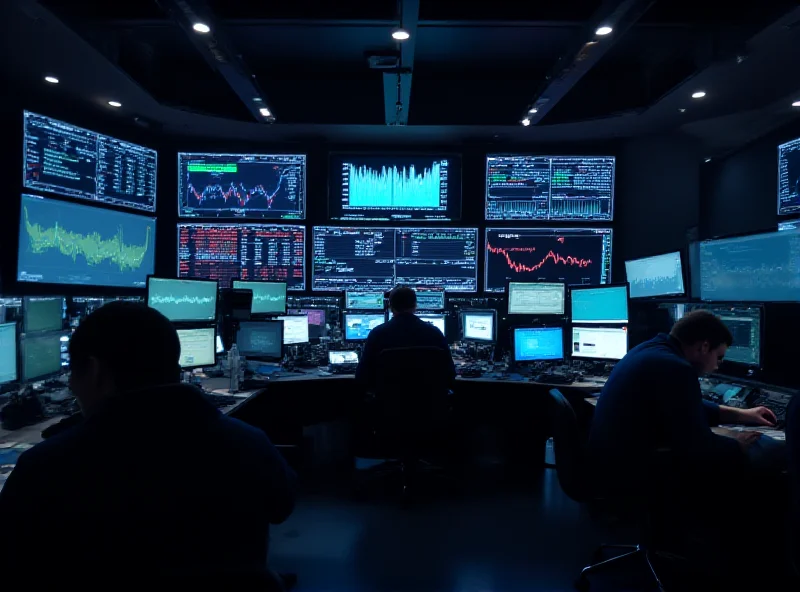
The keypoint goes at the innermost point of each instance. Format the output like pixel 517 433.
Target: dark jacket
pixel 402 330
pixel 156 483
pixel 652 400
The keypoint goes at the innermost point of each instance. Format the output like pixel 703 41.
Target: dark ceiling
pixel 468 64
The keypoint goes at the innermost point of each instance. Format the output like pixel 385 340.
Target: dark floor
pixel 492 535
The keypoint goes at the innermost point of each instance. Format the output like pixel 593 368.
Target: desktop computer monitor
pixel 478 325
pixel 744 322
pixel 262 340
pixel 8 353
pixel 540 298
pixel 430 299
pixel 660 275
pixel 198 347
pixel 342 357
pixel 183 300
pixel 268 297
pixel 317 321
pixel 538 344
pixel 437 320
pixel 358 325
pixel 599 304
pixel 295 329
pixel 42 314
pixel 363 300
pixel 599 343
pixel 40 355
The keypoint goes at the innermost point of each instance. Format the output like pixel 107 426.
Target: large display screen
pixel 660 275
pixel 789 177
pixel 395 188
pixel 520 187
pixel 251 186
pixel 566 255
pixel 380 258
pixel 68 160
pixel 754 268
pixel 259 252
pixel 67 243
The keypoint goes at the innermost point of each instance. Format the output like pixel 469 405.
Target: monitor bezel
pixel 216 297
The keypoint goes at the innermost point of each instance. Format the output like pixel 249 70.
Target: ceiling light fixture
pixel 699 94
pixel 201 28
pixel 265 112
pixel 796 104
pixel 682 109
pixel 400 34
pixel 257 99
pixel 115 104
pixel 533 110
pixel 526 122
pixel 51 79
pixel 708 160
pixel 604 30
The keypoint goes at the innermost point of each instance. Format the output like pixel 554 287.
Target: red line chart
pixel 556 258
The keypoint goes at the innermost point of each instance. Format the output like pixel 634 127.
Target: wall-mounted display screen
pixel 789 177
pixel 660 275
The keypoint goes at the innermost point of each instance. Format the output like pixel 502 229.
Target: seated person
pixel 404 329
pixel 652 400
pixel 153 484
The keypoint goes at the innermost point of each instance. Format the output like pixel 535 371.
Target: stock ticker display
pixel 568 188
pixel 789 177
pixel 254 186
pixel 68 160
pixel 392 188
pixel 568 255
pixel 67 243
pixel 226 252
pixel 755 268
pixel 349 258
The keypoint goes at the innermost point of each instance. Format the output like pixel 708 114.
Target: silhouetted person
pixel 154 484
pixel 404 329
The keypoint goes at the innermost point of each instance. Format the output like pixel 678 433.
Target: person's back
pixel 154 482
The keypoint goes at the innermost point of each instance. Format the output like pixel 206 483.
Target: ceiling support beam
pixel 583 55
pixel 397 83
pixel 220 53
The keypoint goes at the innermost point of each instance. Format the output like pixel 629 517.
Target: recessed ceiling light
pixel 265 112
pixel 708 160
pixel 682 110
pixel 604 30
pixel 257 99
pixel 526 122
pixel 796 104
pixel 115 104
pixel 698 94
pixel 201 28
pixel 51 79
pixel 532 110
pixel 400 34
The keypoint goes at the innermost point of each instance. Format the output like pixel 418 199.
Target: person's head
pixel 704 339
pixel 122 347
pixel 402 300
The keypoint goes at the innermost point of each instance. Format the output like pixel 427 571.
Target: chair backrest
pixel 569 448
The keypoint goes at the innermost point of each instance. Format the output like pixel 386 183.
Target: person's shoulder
pixel 244 432
pixel 52 451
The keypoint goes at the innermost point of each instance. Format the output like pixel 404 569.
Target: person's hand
pixel 746 439
pixel 758 416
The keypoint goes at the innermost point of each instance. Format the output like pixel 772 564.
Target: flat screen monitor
pixel 599 343
pixel 559 255
pixel 363 300
pixel 68 160
pixel 268 297
pixel 601 304
pixel 183 300
pixel 430 299
pixel 437 320
pixel 8 353
pixel 478 325
pixel 342 357
pixel 754 268
pixel 660 275
pixel 67 243
pixel 198 347
pixel 42 314
pixel 252 252
pixel 520 187
pixel 295 329
pixel 358 325
pixel 395 188
pixel 261 339
pixel 370 258
pixel 541 298
pixel 40 355
pixel 247 186
pixel 538 344
pixel 789 177
pixel 744 323
pixel 317 321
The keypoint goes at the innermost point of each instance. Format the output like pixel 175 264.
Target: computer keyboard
pixel 219 400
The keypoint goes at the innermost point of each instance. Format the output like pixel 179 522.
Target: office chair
pixel 573 476
pixel 410 403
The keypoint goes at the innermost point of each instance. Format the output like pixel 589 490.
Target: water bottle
pixel 550 452
pixel 233 366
